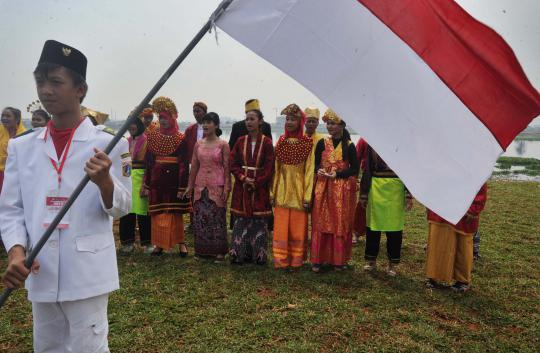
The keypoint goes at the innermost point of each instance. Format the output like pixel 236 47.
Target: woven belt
pixel 385 174
pixel 138 165
pixel 162 159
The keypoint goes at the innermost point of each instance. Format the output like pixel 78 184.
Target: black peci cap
pixel 64 55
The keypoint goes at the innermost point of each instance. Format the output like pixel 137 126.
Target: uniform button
pixel 168 171
pixel 53 244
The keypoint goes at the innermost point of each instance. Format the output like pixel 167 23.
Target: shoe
pixel 340 268
pixel 126 249
pixel 370 266
pixel 183 253
pixel 355 239
pixel 430 284
pixel 219 259
pixel 460 287
pixel 391 271
pixel 157 252
pixel 316 268
pixel 149 249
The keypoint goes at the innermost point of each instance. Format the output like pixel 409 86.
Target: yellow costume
pixel 4 138
pixel 292 188
pixel 316 137
pixel 293 183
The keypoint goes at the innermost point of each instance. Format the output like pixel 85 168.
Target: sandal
pixel 430 284
pixel 370 266
pixel 460 287
pixel 157 252
pixel 183 253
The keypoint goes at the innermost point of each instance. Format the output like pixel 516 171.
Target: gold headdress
pixel 330 115
pixel 253 104
pixel 312 113
pixel 98 118
pixel 292 109
pixel 164 104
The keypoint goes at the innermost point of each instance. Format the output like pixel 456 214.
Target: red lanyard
pixel 63 157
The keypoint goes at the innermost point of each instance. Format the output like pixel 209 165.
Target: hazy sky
pixel 129 44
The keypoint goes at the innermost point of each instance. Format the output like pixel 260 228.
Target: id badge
pixel 126 165
pixel 54 201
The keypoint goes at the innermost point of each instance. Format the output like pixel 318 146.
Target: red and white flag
pixel 436 93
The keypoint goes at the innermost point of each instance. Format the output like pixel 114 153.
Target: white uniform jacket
pixel 78 262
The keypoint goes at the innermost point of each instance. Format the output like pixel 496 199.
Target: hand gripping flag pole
pixel 134 115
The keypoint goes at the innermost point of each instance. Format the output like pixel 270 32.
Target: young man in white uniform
pixel 76 270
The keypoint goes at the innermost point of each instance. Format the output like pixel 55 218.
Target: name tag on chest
pixel 54 201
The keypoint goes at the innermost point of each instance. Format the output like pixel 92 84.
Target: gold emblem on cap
pixel 66 51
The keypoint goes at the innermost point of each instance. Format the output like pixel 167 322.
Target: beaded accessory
pixel 163 145
pixel 293 151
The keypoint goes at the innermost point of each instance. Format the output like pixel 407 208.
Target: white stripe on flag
pixel 353 63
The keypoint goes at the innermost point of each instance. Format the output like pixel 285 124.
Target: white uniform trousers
pixel 71 326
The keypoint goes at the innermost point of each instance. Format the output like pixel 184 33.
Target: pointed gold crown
pixel 312 113
pixel 252 104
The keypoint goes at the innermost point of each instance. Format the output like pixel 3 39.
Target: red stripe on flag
pixel 470 58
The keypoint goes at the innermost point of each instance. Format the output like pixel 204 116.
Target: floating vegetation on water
pixel 528 137
pixel 517 165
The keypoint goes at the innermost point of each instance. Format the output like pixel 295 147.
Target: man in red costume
pixel 194 132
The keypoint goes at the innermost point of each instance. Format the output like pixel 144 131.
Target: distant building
pixel 280 121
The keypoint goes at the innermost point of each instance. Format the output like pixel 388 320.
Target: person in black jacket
pixel 239 128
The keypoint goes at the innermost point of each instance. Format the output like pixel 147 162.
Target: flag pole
pixel 131 118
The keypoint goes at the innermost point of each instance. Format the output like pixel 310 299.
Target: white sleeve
pixel 122 181
pixel 12 224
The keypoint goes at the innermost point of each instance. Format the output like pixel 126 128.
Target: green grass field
pixel 170 304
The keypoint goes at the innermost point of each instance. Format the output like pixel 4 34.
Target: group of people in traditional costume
pixel 306 174
pixel 276 188
pixel 305 190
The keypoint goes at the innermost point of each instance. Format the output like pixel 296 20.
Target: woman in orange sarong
pixel 337 168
